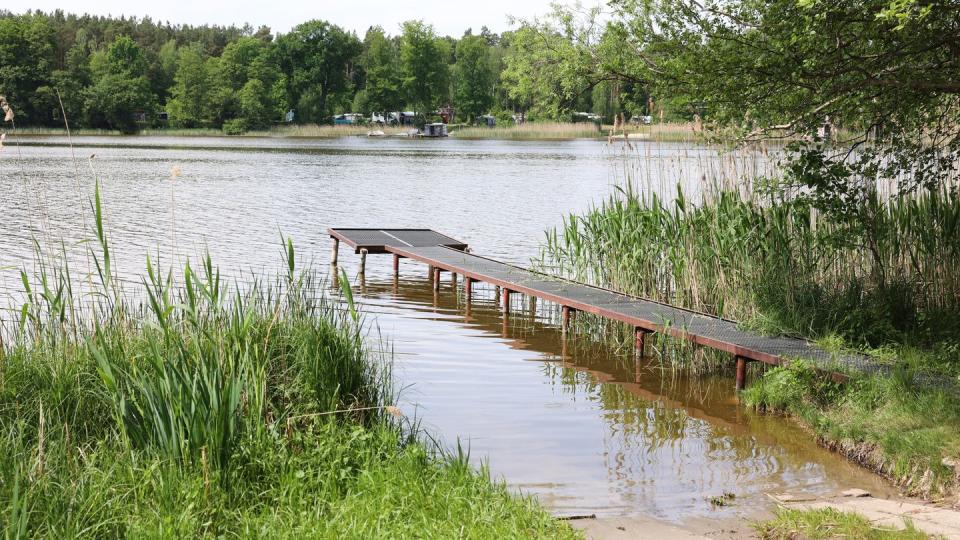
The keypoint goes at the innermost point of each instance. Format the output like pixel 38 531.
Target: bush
pixel 236 126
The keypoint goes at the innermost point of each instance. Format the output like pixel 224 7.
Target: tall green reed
pixel 777 264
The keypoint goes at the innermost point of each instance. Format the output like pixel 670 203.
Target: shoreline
pixel 526 132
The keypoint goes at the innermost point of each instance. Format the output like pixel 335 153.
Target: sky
pixel 450 17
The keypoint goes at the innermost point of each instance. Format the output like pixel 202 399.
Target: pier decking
pixel 644 315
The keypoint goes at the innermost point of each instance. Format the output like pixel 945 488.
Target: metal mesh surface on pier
pixel 706 330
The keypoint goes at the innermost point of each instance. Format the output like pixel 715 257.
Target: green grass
pixel 890 424
pixel 826 523
pixel 190 407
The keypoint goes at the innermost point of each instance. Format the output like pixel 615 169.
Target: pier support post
pixel 496 294
pixel 565 319
pixel 741 382
pixel 396 265
pixel 506 300
pixel 335 252
pixel 363 261
pixel 436 278
pixel 453 279
pixel 467 288
pixel 641 339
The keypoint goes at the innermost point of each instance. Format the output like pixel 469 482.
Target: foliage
pixel 381 64
pixel 191 99
pixel 121 97
pixel 554 64
pixel 894 425
pixel 190 407
pixel 778 264
pixel 884 71
pixel 423 63
pixel 26 51
pixel 473 77
pixel 830 523
pixel 315 59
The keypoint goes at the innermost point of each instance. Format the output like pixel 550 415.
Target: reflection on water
pixel 586 429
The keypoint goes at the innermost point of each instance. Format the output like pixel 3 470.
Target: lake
pixel 585 428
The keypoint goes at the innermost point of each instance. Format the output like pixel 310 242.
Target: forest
pixel 127 73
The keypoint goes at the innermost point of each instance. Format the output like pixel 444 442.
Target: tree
pixel 554 64
pixel 888 71
pixel 423 60
pixel 26 59
pixel 316 59
pixel 121 95
pixel 246 75
pixel 193 91
pixel 381 65
pixel 473 77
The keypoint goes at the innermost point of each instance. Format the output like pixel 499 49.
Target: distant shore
pixel 546 131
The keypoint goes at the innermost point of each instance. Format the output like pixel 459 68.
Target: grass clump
pixel 191 408
pixel 888 423
pixel 830 523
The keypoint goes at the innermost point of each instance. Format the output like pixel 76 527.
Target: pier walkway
pixel 443 253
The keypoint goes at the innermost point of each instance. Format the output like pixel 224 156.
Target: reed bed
pixel 531 131
pixel 193 407
pixel 778 264
pixel 326 131
pixel 319 131
pixel 880 280
pixel 658 132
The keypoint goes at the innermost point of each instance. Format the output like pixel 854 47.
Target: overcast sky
pixel 450 17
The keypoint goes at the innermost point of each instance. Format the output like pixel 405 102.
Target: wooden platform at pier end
pixel 376 240
pixel 644 315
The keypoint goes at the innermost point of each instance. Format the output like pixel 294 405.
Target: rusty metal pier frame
pixel 442 253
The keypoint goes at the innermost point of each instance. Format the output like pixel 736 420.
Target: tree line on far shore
pixel 126 73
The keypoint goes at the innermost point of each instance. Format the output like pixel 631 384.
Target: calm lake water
pixel 584 428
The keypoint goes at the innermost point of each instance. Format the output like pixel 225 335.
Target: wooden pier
pixel 442 253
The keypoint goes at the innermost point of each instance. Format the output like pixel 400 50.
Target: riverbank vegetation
pixel 829 523
pixel 194 407
pixel 532 130
pixel 130 74
pixel 851 240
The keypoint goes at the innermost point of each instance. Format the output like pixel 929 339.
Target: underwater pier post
pixel 396 265
pixel 335 252
pixel 741 382
pixel 640 339
pixel 363 261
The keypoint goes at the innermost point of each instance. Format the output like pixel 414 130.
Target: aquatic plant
pixel 187 406
pixel 779 265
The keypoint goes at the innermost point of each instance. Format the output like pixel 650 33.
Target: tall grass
pixel 883 281
pixel 531 131
pixel 193 407
pixel 777 264
pixel 293 130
